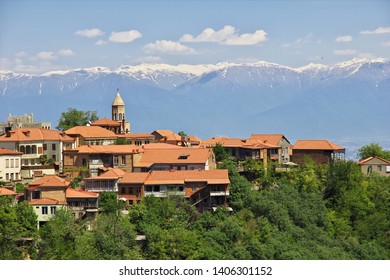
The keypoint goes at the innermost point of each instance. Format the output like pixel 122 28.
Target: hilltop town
pixel 74 168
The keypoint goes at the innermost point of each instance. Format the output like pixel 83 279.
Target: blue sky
pixel 41 36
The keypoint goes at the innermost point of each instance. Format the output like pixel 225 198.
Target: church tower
pixel 118 113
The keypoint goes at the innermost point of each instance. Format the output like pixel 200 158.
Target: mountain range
pixel 349 101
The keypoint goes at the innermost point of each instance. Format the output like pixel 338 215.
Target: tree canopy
pixel 74 117
pixel 372 150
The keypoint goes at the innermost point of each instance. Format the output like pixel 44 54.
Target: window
pixel 45 147
pixel 379 168
pixel 53 147
pixel 22 149
pixel 17 163
pixel 12 163
pixel 369 169
pixel 115 160
pixel 84 162
pixel 33 149
pixel 388 169
pixel 54 157
pixel 44 210
pixel 52 210
pixel 123 190
pixel 6 177
pixel 123 162
pixel 131 191
pixel 7 163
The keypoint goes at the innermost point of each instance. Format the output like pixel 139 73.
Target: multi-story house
pixel 51 192
pixel 88 160
pixel 281 152
pixel 37 145
pixel 10 165
pixel 320 151
pixel 175 159
pixel 9 193
pixel 91 135
pixel 202 188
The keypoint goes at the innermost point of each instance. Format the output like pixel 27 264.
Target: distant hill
pixel 349 100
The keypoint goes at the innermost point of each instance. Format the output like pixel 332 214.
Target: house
pixel 91 135
pixel 22 121
pixel 282 154
pixel 10 165
pixel 88 160
pixel 202 188
pixel 241 149
pixel 81 202
pixel 175 159
pixel 138 139
pixel 107 181
pixel 51 192
pixel 320 151
pixel 375 165
pixel 38 146
pixel 46 195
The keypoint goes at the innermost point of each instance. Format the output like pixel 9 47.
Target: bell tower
pixel 118 113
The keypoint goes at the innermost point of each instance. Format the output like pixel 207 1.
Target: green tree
pixel 74 117
pixel 220 153
pixel 373 150
pixel 182 133
pixel 109 203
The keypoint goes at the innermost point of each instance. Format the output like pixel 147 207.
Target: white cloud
pixel 21 54
pixel 345 52
pixel 45 55
pixel 65 52
pixel 379 30
pixel 90 33
pixel 169 47
pixel 125 36
pixel 366 55
pixel 101 42
pixel 228 35
pixel 346 38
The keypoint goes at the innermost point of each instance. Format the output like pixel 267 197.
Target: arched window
pixel 115 117
pixel 120 116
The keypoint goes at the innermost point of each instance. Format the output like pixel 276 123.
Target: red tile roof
pixel 174 156
pixel 251 143
pixel 111 174
pixel 35 134
pixel 5 191
pixel 46 201
pixel 163 132
pixel 106 122
pixel 137 136
pixel 51 181
pixel 91 132
pixel 363 161
pixel 316 145
pixel 219 176
pixel 72 193
pixel 272 139
pixel 9 152
pixel 161 146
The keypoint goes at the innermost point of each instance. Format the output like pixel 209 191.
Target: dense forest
pixel 311 212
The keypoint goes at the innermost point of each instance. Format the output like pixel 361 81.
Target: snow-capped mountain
pixel 349 99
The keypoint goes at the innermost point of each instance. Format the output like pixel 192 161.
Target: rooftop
pixel 91 132
pixel 35 134
pixel 316 145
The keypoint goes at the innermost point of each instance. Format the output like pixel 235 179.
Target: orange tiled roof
pixel 173 137
pixel 164 132
pixel 239 143
pixel 272 139
pixel 174 156
pixel 72 193
pixel 9 152
pixel 111 174
pixel 91 132
pixel 106 122
pixel 193 138
pixel 51 181
pixel 219 176
pixel 134 178
pixel 363 161
pixel 5 191
pixel 107 149
pixel 316 145
pixel 46 201
pixel 35 134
